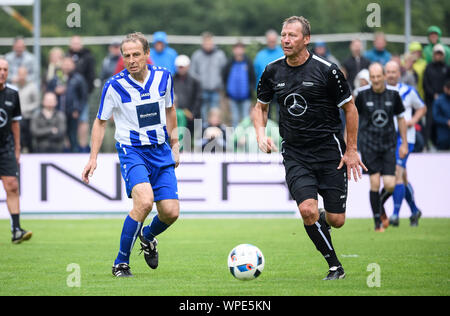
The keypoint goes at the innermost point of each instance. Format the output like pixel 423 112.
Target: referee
pixel 310 91
pixel 377 105
pixel 10 115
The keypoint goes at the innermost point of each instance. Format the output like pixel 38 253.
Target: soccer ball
pixel 246 262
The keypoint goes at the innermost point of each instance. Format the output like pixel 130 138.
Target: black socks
pixel 320 236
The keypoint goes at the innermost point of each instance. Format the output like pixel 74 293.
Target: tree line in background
pixel 227 17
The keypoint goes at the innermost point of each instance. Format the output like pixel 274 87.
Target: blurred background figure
pixel 29 103
pixel 244 136
pixel 239 80
pixel 441 117
pixel 434 34
pixel 55 58
pixel 408 74
pixel 271 52
pixel 20 57
pixel 362 79
pixel 109 63
pixel 355 63
pixel 419 65
pixel 436 74
pixel 161 53
pixel 85 65
pixel 188 91
pixel 72 92
pixel 214 133
pixel 48 126
pixel 268 54
pixel 206 65
pixel 379 52
pixel 321 50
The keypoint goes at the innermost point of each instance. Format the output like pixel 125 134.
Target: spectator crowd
pixel 211 86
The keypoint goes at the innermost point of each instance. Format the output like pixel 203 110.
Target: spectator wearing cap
pixel 434 37
pixel 110 62
pixel 162 55
pixel 321 50
pixel 436 74
pixel 379 54
pixel 239 79
pixel 419 65
pixel 355 63
pixel 188 92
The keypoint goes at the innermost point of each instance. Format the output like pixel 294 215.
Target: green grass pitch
pixel 193 259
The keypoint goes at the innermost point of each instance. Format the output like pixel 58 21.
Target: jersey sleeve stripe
pixel 102 100
pixel 17 118
pixel 163 84
pixel 344 101
pixel 323 61
pixel 260 101
pixel 124 95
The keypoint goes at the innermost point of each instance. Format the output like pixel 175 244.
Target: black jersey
pixel 376 118
pixel 9 111
pixel 309 96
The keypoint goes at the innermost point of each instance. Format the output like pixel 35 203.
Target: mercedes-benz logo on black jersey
pixel 3 118
pixel 380 118
pixel 295 104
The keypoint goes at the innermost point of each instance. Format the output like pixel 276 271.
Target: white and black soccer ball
pixel 246 262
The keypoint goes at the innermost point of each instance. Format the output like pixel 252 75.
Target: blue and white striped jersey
pixel 411 101
pixel 138 108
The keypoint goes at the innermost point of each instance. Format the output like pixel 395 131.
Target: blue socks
pixel 154 229
pixel 130 232
pixel 409 196
pixel 398 196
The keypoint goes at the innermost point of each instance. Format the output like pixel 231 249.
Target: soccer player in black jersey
pixel 310 91
pixel 10 115
pixel 377 105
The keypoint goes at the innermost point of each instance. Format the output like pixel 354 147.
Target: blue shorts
pixel 402 162
pixel 149 164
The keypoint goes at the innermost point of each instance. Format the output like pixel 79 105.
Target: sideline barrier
pixel 209 185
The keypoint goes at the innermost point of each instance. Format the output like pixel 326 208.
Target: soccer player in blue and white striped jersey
pixel 140 98
pixel 415 109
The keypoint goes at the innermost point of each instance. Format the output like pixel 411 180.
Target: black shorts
pixel 8 165
pixel 306 180
pixel 379 162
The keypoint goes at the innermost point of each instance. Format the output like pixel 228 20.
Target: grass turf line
pixel 193 259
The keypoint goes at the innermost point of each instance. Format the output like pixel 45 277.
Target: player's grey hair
pixel 306 27
pixel 136 37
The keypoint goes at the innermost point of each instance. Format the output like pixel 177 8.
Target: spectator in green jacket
pixel 434 37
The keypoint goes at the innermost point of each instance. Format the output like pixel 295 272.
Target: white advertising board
pixel 208 185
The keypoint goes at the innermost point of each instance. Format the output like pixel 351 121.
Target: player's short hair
pixel 306 26
pixel 136 37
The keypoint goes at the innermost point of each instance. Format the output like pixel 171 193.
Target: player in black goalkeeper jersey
pixel 10 115
pixel 310 90
pixel 377 105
